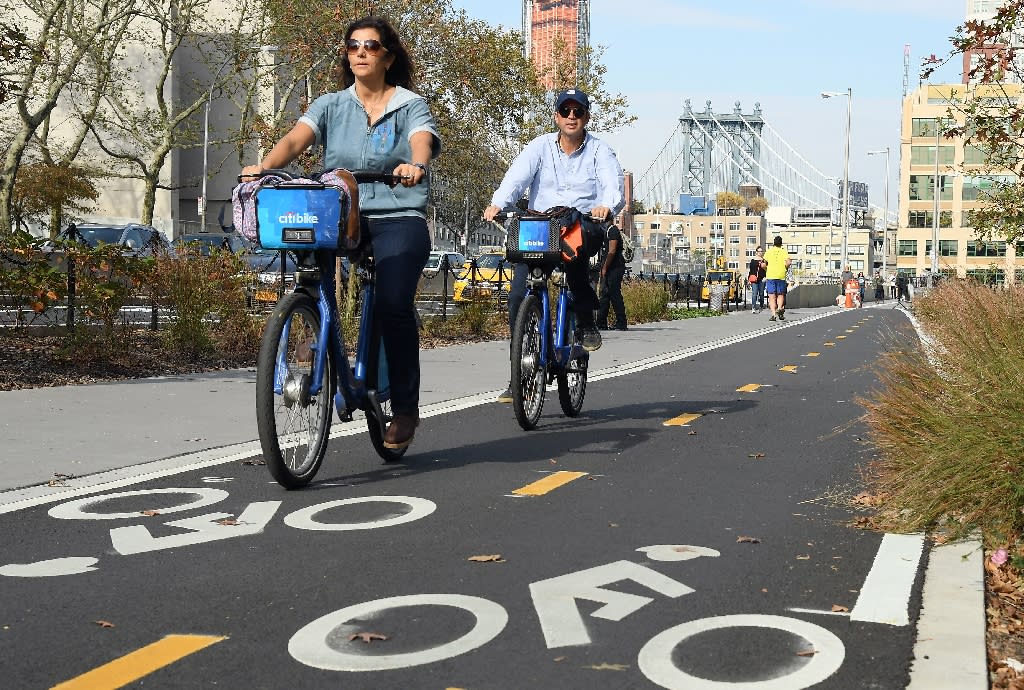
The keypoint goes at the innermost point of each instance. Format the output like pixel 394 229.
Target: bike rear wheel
pixel 528 377
pixel 572 382
pixel 293 425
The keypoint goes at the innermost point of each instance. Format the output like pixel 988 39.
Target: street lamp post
pixel 846 168
pixel 885 216
pixel 935 211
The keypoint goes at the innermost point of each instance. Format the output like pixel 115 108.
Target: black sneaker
pixel 782 314
pixel 591 339
pixel 506 397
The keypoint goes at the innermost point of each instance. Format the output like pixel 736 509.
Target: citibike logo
pixel 293 217
pixel 535 243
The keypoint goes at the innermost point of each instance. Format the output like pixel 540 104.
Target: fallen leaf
pixel 809 652
pixel 560 658
pixel 367 637
pixel 755 455
pixel 803 558
pixel 613 524
pixel 554 462
pixel 839 608
pixel 608 667
pixel 104 624
pixel 747 540
pixel 150 513
pixel 227 522
pixel 692 433
pixel 493 558
pixel 763 589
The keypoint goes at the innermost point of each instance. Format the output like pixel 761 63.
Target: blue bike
pixel 303 361
pixel 544 350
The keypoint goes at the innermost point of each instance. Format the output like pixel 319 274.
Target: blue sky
pixel 780 53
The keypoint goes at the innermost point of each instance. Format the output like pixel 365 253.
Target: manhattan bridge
pixel 708 153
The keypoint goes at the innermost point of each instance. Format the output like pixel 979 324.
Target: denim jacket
pixel 339 123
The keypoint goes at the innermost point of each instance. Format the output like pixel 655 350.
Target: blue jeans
pixel 757 295
pixel 400 249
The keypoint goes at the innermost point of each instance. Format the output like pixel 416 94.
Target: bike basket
pixel 534 239
pixel 299 216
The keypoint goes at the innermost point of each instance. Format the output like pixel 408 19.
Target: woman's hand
pixel 251 171
pixel 411 175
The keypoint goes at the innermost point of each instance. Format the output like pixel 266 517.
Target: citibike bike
pixel 545 347
pixel 303 362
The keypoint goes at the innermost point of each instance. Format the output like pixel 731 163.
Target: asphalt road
pixel 679 534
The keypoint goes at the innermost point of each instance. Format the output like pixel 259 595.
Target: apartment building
pixel 670 239
pixel 815 242
pixel 943 179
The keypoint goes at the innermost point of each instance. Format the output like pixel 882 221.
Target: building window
pixel 639 225
pixel 792 248
pixel 812 249
pixel 734 253
pixel 922 187
pixel 734 227
pixel 925 155
pixel 751 253
pixel 946 247
pixel 976 248
pixel 734 239
pixel 925 126
pixel 856 250
pixel 716 227
pixel 702 239
pixel 655 226
pixel 986 276
pixel 925 219
pixel 751 241
pixel 974 155
pixel 751 227
pixel 856 265
pixel 906 248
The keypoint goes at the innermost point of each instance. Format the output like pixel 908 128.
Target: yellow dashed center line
pixel 141 662
pixel 812 354
pixel 840 337
pixel 681 420
pixel 791 368
pixel 830 344
pixel 849 330
pixel 548 483
pixel 749 388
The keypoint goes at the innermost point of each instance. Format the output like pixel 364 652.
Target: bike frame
pixel 554 351
pixel 352 391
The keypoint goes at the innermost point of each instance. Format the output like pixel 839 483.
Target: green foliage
pixel 946 418
pixel 692 313
pixel 27 276
pixel 645 301
pixel 206 294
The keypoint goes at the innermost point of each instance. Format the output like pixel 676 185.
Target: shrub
pixel 645 301
pixel 206 295
pixel 946 420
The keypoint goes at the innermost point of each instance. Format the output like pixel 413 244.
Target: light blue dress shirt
pixel 588 178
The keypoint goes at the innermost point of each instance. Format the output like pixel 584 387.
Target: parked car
pixel 491 278
pixel 205 242
pixel 433 265
pixel 138 240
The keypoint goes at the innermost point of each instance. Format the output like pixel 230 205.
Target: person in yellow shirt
pixel 775 278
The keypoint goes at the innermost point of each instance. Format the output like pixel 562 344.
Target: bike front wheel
pixel 293 424
pixel 528 376
pixel 572 382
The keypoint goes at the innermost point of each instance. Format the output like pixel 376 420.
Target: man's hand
pixel 600 213
pixel 251 171
pixel 410 174
pixel 490 212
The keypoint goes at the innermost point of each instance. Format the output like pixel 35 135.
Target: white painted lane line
pixel 885 595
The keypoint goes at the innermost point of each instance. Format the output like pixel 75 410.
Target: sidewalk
pixel 102 433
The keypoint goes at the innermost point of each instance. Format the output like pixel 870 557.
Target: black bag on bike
pixel 555 236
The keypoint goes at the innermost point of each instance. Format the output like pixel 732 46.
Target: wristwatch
pixel 421 166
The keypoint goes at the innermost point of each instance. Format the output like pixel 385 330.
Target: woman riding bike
pixel 379 123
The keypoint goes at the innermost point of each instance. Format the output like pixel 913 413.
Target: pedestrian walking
pixel 613 268
pixel 879 286
pixel 756 278
pixel 892 286
pixel 861 284
pixel 778 262
pixel 902 286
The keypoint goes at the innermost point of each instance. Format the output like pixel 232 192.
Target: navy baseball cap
pixel 572 95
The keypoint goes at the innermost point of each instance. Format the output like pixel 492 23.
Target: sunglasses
pixel 372 46
pixel 576 111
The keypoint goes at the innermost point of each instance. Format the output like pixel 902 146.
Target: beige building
pixel 815 243
pixel 930 166
pixel 669 240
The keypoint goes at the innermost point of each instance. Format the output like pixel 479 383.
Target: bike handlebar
pixel 506 215
pixel 359 175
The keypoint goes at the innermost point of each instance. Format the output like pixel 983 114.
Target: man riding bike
pixel 573 168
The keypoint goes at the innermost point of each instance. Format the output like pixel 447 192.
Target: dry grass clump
pixel 948 418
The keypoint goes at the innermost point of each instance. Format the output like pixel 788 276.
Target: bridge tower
pixel 734 135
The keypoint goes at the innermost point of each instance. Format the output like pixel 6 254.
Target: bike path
pixel 217 409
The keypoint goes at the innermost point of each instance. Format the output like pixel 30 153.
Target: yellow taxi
pixel 723 277
pixel 491 278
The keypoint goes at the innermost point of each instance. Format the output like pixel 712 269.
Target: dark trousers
pixel 400 250
pixel 576 276
pixel 611 295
